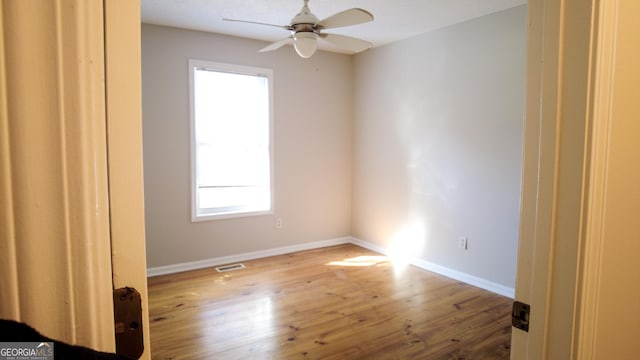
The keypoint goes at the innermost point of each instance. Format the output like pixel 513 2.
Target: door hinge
pixel 520 315
pixel 127 314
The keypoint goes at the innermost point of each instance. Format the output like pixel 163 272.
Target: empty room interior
pixel 373 180
pixel 405 158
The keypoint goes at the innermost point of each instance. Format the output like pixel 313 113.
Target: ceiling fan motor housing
pixel 304 21
pixel 297 28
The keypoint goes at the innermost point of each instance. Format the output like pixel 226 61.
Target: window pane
pixel 232 141
pixel 233 199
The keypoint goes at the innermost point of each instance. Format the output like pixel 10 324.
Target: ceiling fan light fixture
pixel 305 43
pixel 305 30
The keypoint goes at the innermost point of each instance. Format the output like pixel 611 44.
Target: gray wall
pixel 313 108
pixel 438 145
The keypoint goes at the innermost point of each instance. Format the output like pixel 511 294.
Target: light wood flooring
pixel 341 302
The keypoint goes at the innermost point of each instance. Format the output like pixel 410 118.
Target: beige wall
pixel 312 145
pixel 438 145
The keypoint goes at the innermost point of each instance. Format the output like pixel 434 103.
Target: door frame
pixel 53 185
pixel 124 151
pixel 72 209
pixel 570 59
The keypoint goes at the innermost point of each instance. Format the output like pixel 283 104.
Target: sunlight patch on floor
pixel 238 324
pixel 361 261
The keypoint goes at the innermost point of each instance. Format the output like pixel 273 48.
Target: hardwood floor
pixel 342 302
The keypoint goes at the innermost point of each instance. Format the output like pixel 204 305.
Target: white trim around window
pixel 231 118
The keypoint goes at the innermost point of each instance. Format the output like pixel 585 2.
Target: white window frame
pixel 234 69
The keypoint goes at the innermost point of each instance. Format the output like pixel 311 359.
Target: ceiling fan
pixel 306 30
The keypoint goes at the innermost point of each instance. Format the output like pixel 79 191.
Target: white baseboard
pixel 423 264
pixel 444 271
pixel 223 260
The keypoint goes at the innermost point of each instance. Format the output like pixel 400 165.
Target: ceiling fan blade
pixel 346 18
pixel 346 42
pixel 277 45
pixel 286 27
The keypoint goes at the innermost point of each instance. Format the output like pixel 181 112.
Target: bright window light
pixel 231 140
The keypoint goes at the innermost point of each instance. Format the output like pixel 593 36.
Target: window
pixel 231 140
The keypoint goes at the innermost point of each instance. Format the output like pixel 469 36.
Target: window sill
pixel 228 215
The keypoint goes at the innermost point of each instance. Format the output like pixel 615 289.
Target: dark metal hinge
pixel 520 315
pixel 127 314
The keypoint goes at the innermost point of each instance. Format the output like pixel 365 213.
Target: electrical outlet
pixel 279 223
pixel 463 242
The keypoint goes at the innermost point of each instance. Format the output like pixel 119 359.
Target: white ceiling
pixel 394 19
